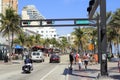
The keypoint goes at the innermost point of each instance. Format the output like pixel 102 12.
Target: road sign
pixel 78 22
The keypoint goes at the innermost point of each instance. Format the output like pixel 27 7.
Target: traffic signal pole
pixel 103 41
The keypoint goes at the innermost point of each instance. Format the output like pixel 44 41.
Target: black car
pixel 54 58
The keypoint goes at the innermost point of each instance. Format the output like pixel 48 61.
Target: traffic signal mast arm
pixel 57 22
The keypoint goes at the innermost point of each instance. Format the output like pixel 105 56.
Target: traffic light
pixel 49 22
pixel 93 4
pixel 26 22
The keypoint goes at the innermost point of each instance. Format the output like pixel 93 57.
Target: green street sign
pixel 81 22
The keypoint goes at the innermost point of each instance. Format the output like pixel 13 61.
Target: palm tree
pixel 115 23
pixel 79 34
pixel 15 28
pixel 63 44
pixel 108 19
pixel 21 39
pixel 37 39
pixel 10 21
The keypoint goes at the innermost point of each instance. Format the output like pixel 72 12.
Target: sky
pixel 53 9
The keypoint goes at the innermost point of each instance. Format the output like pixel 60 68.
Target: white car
pixel 37 56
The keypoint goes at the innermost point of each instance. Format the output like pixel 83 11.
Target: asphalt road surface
pixel 42 71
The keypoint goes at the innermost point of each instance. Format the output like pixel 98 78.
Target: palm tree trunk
pixel 12 41
pixel 110 47
pixel 9 43
pixel 118 46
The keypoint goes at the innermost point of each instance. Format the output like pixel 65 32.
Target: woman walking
pixel 79 63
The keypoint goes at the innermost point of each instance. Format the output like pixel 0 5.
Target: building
pixel 9 3
pixel 0 6
pixel 70 38
pixel 31 13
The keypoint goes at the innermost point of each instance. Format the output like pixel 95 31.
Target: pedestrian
pixel 76 57
pixel 71 58
pixel 86 59
pixel 119 65
pixel 79 63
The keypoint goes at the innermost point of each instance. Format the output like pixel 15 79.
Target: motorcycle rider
pixel 28 61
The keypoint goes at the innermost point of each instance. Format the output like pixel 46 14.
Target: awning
pixel 18 47
pixel 38 47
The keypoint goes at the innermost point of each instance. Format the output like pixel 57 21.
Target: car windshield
pixel 55 56
pixel 36 53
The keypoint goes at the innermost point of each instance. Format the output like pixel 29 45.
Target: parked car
pixel 37 56
pixel 54 58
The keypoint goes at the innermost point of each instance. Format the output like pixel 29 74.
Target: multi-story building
pixel 0 6
pixel 31 13
pixel 9 3
pixel 70 38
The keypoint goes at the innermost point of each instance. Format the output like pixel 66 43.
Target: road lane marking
pixel 48 73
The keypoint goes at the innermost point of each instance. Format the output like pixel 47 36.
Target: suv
pixel 37 56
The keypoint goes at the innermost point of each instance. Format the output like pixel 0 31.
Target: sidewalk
pixel 11 62
pixel 92 72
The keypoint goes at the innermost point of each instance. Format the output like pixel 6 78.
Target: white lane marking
pixel 48 73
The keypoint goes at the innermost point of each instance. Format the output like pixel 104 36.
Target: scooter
pixel 27 68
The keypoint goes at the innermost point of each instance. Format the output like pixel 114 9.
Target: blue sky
pixel 64 9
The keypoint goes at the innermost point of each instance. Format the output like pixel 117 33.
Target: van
pixel 37 56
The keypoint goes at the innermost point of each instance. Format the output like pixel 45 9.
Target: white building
pixel 70 38
pixel 31 13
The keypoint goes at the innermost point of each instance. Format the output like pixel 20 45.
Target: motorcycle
pixel 27 68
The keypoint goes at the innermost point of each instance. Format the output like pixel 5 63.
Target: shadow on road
pixel 83 73
pixel 65 72
pixel 115 77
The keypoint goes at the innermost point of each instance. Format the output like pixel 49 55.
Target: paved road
pixel 55 71
pixel 42 71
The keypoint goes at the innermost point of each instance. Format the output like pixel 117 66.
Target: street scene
pixel 56 71
pixel 59 40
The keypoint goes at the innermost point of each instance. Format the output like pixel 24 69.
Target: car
pixel 54 58
pixel 37 56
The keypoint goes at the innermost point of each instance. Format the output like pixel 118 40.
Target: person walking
pixel 86 59
pixel 79 63
pixel 71 58
pixel 119 66
pixel 76 57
